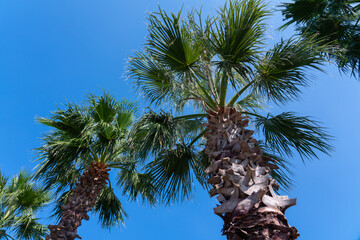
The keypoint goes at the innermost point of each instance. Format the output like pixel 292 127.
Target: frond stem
pixel 238 94
pixel 191 116
pixel 198 137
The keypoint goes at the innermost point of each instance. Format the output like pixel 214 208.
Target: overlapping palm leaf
pixel 332 21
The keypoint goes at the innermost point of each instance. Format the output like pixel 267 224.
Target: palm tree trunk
pixel 80 202
pixel 240 176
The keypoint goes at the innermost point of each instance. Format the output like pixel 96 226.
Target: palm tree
pixel 20 199
pixel 332 21
pixel 218 69
pixel 88 141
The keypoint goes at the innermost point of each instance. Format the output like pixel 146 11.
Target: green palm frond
pixel 135 184
pixel 238 34
pixel 28 228
pixel 109 209
pixel 287 132
pixel 127 113
pixel 104 108
pixel 23 195
pixel 20 199
pixel 172 173
pixel 302 10
pixel 170 43
pixel 282 71
pixel 335 22
pixel 153 132
pixel 155 81
pixel 62 178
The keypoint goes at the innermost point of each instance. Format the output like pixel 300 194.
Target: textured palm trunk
pixel 240 176
pixel 80 202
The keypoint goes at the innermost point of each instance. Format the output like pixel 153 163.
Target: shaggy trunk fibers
pixel 240 176
pixel 80 202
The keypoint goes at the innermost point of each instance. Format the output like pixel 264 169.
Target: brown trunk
pixel 80 202
pixel 240 176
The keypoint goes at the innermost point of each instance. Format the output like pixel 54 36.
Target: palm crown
pixel 213 64
pixel 84 135
pixel 19 202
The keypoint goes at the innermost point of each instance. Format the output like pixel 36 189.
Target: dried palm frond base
pixel 240 176
pixel 80 202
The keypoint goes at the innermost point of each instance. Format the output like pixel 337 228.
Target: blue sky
pixel 54 51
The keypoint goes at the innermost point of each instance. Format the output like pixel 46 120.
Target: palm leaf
pixel 27 228
pixel 238 34
pixel 283 69
pixel 135 184
pixel 109 208
pixel 172 173
pixel 286 132
pixel 171 44
pixel 153 132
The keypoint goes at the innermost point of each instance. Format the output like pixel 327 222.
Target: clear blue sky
pixel 53 51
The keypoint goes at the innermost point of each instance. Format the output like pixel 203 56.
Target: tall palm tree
pixel 333 21
pixel 20 199
pixel 85 143
pixel 219 70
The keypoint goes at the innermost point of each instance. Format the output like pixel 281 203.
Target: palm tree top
pixel 96 131
pixel 215 63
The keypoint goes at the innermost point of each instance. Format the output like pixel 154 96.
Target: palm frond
pixel 109 209
pixel 172 173
pixel 24 195
pixel 63 178
pixel 154 80
pixel 286 132
pixel 127 113
pixel 250 103
pixel 237 35
pixel 28 228
pixel 299 11
pixel 282 71
pixel 135 184
pixel 153 132
pixel 20 199
pixel 170 43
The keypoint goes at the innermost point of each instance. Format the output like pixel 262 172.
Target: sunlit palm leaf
pixel 171 44
pixel 155 81
pixel 27 228
pixel 20 199
pixel 172 173
pixel 136 184
pixel 287 132
pixel 153 132
pixel 238 34
pixel 282 71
